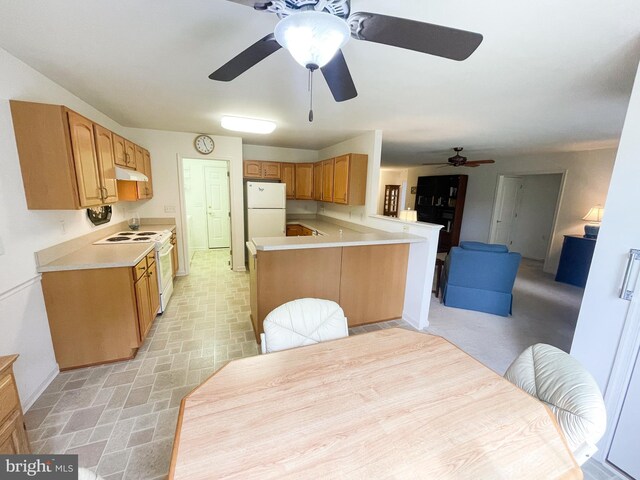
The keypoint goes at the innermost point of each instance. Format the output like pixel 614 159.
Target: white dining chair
pixel 303 322
pixel 568 389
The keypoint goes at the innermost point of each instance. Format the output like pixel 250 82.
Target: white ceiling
pixel 548 76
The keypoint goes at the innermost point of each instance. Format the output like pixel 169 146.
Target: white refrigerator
pixel 266 210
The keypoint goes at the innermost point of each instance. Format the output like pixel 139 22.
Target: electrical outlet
pixel 169 209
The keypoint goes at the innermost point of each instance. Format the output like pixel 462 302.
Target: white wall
pixel 602 315
pixel 587 181
pixel 167 149
pixel 23 323
pixel 533 226
pixel 195 196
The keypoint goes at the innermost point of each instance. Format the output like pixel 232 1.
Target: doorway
pixel 207 204
pixel 525 213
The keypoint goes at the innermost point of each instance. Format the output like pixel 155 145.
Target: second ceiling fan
pixel 459 161
pixel 314 31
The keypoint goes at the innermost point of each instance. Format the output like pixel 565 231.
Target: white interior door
pixel 509 191
pixel 624 448
pixel 217 197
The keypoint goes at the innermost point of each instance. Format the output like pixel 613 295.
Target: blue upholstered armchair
pixel 480 276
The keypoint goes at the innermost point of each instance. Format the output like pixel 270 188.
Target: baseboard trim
pixel 240 269
pixel 27 403
pixel 412 321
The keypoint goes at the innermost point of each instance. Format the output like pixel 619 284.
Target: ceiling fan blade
pixel 247 59
pixel 256 5
pixel 480 162
pixel 445 164
pixel 419 36
pixel 338 77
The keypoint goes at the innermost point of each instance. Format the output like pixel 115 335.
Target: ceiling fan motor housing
pixel 284 8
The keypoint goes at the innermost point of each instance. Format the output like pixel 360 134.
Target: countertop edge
pixel 93 266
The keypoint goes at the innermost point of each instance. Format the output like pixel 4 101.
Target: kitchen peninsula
pixel 365 271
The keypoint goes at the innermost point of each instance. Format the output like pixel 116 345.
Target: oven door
pixel 165 269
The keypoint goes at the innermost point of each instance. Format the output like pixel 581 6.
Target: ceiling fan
pixel 459 161
pixel 314 31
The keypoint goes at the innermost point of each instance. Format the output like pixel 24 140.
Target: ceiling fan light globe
pixel 312 37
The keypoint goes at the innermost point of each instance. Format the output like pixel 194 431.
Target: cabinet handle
pixel 626 293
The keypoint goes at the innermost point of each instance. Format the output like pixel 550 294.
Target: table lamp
pixel 594 217
pixel 408 215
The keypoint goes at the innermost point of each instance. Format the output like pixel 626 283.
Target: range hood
pixel 130 175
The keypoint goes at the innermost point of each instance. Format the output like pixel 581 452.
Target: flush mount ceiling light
pixel 248 125
pixel 312 37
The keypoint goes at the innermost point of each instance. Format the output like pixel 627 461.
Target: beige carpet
pixel 544 311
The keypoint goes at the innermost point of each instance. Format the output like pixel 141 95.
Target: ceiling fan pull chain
pixel 310 95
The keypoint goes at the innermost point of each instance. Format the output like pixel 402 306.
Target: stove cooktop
pixel 133 237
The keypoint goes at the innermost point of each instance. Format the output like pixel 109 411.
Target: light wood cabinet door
pixel 129 154
pixel 327 180
pixel 13 437
pixel 85 161
pixel 317 181
pixel 288 172
pixel 252 169
pixel 145 189
pixel 106 164
pixel 341 180
pixel 119 150
pixel 304 181
pixel 271 170
pixel 154 292
pixel 139 158
pixel 144 306
pixel 294 230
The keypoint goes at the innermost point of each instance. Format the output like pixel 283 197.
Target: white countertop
pixel 331 237
pixel 104 256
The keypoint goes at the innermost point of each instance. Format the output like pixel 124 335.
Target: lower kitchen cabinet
pixel 13 433
pixel 100 315
pixel 367 281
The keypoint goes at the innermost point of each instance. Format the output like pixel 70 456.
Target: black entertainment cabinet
pixel 440 200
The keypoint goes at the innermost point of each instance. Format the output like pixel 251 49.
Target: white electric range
pixel 164 259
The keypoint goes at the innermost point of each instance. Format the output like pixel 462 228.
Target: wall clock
pixel 204 144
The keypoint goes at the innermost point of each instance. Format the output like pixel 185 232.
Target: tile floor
pixel 120 419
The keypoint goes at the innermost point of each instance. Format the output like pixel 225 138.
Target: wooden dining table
pixel 388 404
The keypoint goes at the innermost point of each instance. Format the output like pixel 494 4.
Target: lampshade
pixel 595 214
pixel 408 215
pixel 312 37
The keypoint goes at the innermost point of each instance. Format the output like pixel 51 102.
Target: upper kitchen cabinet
pixel 64 165
pixel 317 181
pixel 106 163
pixel 327 180
pixel 119 151
pixel 304 181
pixel 288 172
pixel 350 179
pixel 145 189
pixel 255 169
pixel 271 170
pixel 130 154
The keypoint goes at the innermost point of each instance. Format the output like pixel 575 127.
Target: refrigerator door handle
pixel 626 293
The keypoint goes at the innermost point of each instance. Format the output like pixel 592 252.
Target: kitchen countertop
pixel 331 237
pixel 104 256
